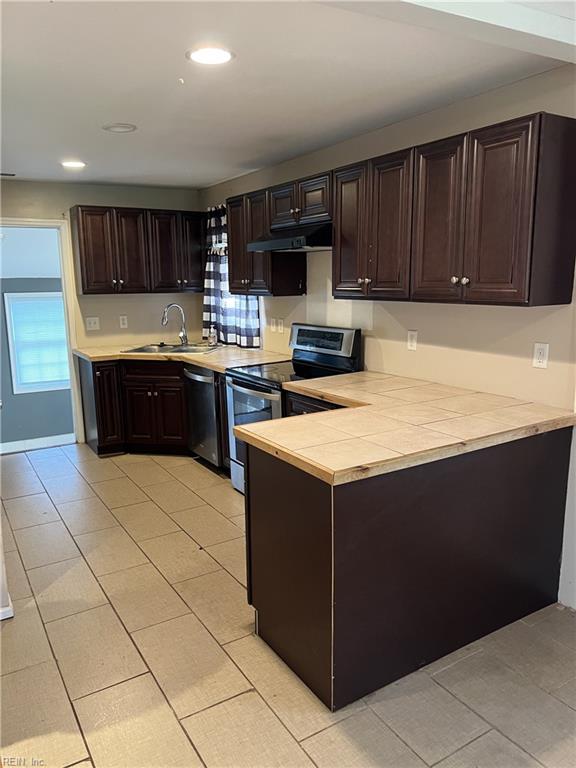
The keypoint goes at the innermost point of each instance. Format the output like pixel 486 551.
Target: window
pixel 37 342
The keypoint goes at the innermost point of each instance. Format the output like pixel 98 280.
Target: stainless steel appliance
pixel 203 434
pixel 254 392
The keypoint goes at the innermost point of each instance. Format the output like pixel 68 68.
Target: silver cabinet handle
pixel 197 377
pixel 465 281
pixel 255 393
pixel 454 280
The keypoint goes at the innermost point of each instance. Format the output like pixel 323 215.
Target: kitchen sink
pixel 161 347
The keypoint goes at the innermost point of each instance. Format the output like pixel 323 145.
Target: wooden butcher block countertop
pixel 393 423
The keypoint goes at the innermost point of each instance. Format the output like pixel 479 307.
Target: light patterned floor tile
pixel 110 550
pixel 18 585
pixel 145 520
pixel 13 463
pixel 224 498
pixel 178 557
pixel 189 665
pixel 93 651
pixel 295 704
pixel 144 474
pixel 425 716
pixel 220 603
pixel 132 458
pixel 54 467
pixel 79 452
pixel 38 724
pixel 206 525
pixel 27 511
pixel 22 638
pixel 492 750
pixel 232 556
pixel 43 454
pixel 8 540
pixel 23 483
pixel 119 493
pixel 560 626
pixel 531 718
pixel 240 521
pixel 142 597
pixel 534 654
pixel 244 733
pixel 173 496
pixel 132 726
pixel 567 693
pixel 99 469
pixel 360 740
pixel 62 489
pixel 62 589
pixel 44 544
pixel 86 515
pixel 195 476
pixel 169 461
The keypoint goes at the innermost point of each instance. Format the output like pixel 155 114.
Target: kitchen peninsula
pixel 388 533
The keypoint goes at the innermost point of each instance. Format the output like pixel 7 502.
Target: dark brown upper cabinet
pixel 388 267
pixel 134 250
pixel 165 253
pixel 349 262
pixel 259 273
pixel 306 201
pixel 438 221
pixel 133 274
pixel 282 201
pixel 94 236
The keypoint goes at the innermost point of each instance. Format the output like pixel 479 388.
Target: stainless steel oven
pixel 247 405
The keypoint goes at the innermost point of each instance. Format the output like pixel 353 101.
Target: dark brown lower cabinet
pixel 297 405
pixel 102 406
pixel 139 414
pixel 170 412
pixel 357 585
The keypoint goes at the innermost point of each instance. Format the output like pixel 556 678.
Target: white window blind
pixel 37 342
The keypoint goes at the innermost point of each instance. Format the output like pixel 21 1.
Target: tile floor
pixel 132 645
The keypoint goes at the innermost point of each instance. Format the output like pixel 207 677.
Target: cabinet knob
pixel 155 394
pixel 98 373
pixel 185 282
pixel 121 282
pixel 149 394
pixel 454 280
pixel 297 210
pixel 179 282
pixel 360 280
pixel 367 280
pixel 292 210
pixel 465 280
pixel 114 282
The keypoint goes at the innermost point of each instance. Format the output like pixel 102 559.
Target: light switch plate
pixel 123 321
pixel 92 323
pixel 540 357
pixel 280 324
pixel 412 342
pixel 273 324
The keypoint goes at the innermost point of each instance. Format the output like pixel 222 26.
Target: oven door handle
pixel 264 395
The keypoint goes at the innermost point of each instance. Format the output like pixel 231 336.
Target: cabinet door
pixel 348 248
pixel 438 224
pixel 139 414
pixel 501 188
pixel 282 201
pixel 192 251
pixel 237 258
pixel 108 408
pixel 390 222
pixel 170 414
pixel 94 236
pixel 259 262
pixel 164 246
pixel 132 250
pixel 314 200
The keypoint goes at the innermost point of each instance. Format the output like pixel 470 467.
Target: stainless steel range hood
pixel 311 237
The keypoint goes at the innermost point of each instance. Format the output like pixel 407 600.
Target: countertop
pixel 219 360
pixel 393 423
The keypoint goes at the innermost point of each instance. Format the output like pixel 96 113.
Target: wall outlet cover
pixel 123 321
pixel 412 342
pixel 280 324
pixel 273 324
pixel 92 323
pixel 540 356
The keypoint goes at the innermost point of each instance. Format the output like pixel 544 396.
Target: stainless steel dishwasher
pixel 202 401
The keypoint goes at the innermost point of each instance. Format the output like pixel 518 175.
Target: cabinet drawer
pixel 297 405
pixel 151 370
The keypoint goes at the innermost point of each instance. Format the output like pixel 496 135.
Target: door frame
pixel 71 308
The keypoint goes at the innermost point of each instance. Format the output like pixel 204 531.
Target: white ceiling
pixel 564 8
pixel 305 75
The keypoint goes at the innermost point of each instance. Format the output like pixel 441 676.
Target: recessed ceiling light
pixel 209 56
pixel 120 128
pixel 73 164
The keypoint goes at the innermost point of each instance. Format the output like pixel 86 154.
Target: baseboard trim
pixel 38 442
pixel 8 611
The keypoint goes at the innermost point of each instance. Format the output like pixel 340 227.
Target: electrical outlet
pixel 92 323
pixel 540 357
pixel 123 321
pixel 273 324
pixel 280 325
pixel 412 342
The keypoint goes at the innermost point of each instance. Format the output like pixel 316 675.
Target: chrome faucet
pixel 183 336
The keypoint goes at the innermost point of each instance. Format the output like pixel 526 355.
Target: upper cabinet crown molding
pixel 137 250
